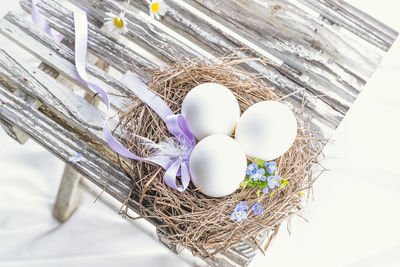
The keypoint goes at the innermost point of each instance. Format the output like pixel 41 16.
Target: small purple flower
pixel 251 169
pixel 241 206
pixel 265 190
pixel 270 166
pixel 238 216
pixel 259 175
pixel 76 158
pixel 257 209
pixel 273 181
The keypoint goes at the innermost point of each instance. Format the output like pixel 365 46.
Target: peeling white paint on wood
pixel 321 65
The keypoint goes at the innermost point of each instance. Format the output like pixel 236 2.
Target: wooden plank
pixel 109 49
pixel 315 106
pixel 64 144
pixel 286 17
pixel 203 32
pixel 333 82
pixel 234 255
pixel 352 53
pixel 322 114
pixel 142 32
pixel 356 21
pixel 60 100
pixel 53 97
pixel 96 13
pixel 230 257
pixel 20 31
pixel 230 253
pixel 60 57
pixel 10 128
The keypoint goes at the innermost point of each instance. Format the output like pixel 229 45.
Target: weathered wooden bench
pixel 321 54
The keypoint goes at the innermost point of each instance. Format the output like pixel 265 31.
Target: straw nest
pixel 190 218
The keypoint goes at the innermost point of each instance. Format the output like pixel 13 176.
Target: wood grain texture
pixel 319 64
pixel 331 81
pixel 140 30
pixel 70 113
pixel 60 57
pixel 351 53
pixel 220 43
pixel 64 103
pixel 314 105
pixel 64 143
pixel 108 48
pixel 356 21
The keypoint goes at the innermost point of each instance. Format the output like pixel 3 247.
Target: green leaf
pixel 302 194
pixel 284 183
pixel 272 193
pixel 258 193
pixel 243 184
pixel 259 162
pixel 250 182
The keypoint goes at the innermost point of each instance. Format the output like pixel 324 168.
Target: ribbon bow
pixel 41 22
pixel 176 124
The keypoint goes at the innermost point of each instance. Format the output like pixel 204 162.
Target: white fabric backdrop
pixel 353 221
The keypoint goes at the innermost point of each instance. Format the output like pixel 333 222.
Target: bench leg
pixel 69 194
pixel 14 132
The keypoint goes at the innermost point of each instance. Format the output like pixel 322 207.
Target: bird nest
pixel 190 218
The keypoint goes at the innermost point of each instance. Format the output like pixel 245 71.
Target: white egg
pixel 210 108
pixel 217 165
pixel 266 130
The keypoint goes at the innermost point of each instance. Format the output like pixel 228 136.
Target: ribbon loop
pixel 40 21
pixel 177 125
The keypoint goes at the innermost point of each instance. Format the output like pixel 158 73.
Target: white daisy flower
pixel 116 23
pixel 158 8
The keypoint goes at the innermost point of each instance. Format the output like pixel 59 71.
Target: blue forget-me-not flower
pixel 259 175
pixel 257 209
pixel 265 190
pixel 240 212
pixel 270 166
pixel 274 181
pixel 241 206
pixel 251 169
pixel 238 216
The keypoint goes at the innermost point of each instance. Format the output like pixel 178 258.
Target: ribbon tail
pixel 176 124
pixel 81 36
pixel 185 172
pixel 42 23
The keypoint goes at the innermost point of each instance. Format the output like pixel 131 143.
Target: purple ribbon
pixel 176 124
pixel 40 21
